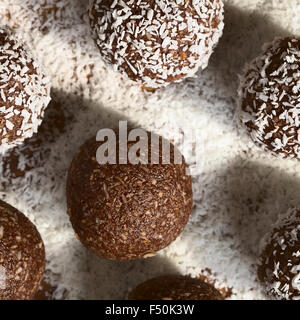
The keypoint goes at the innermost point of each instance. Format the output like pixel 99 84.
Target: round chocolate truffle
pixel 269 98
pixel 156 42
pixel 279 265
pixel 127 211
pixel 175 288
pixel 22 255
pixel 24 91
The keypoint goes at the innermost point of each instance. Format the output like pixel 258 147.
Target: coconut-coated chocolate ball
pixel 22 255
pixel 279 265
pixel 269 98
pixel 127 211
pixel 175 288
pixel 24 91
pixel 156 42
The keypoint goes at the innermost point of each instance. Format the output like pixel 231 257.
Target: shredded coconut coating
pixel 156 42
pixel 24 92
pixel 269 98
pixel 279 266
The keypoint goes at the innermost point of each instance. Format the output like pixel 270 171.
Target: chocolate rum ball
pixel 24 91
pixel 156 42
pixel 22 255
pixel 269 98
pixel 127 211
pixel 279 264
pixel 175 288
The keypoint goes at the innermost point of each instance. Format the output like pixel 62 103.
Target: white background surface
pixel 239 190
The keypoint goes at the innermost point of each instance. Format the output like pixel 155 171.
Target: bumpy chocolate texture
pixel 22 255
pixel 269 98
pixel 127 211
pixel 175 288
pixel 279 266
pixel 24 91
pixel 156 42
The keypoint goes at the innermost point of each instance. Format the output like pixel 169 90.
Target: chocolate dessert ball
pixel 22 255
pixel 127 211
pixel 269 98
pixel 175 288
pixel 24 91
pixel 45 291
pixel 279 265
pixel 156 42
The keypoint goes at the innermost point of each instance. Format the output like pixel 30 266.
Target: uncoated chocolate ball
pixel 175 288
pixel 22 255
pixel 127 211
